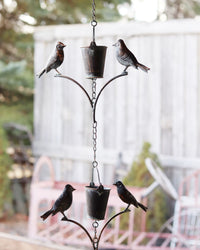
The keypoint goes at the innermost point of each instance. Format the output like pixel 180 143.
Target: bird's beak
pixel 114 44
pixel 64 45
pixel 73 189
pixel 115 184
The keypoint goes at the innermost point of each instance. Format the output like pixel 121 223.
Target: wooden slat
pixel 191 83
pixel 122 238
pixel 139 239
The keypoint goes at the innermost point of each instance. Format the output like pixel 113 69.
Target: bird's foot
pixel 57 75
pixel 124 72
pixel 64 218
pixel 127 210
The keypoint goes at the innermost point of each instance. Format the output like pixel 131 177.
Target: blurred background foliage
pixel 176 9
pixel 139 176
pixel 17 21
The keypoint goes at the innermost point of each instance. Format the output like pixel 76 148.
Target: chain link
pixel 95 224
pixel 93 11
pixel 95 164
pixel 93 91
pixel 94 126
pixel 93 22
pixel 94 135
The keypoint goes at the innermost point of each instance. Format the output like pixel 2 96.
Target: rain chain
pixel 97 196
pixel 94 136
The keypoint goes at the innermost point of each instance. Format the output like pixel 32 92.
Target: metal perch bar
pixel 71 79
pixel 95 242
pixel 93 105
pixel 78 224
pixel 122 212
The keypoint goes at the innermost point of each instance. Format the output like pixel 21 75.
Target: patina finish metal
pixel 97 199
pixel 96 196
pixel 94 60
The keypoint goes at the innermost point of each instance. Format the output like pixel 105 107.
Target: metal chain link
pixel 93 91
pixel 94 126
pixel 93 11
pixel 94 135
pixel 93 22
pixel 95 224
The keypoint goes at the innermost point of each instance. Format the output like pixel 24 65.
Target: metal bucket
pixel 97 199
pixel 94 60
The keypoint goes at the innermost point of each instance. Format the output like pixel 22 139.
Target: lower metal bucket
pixel 97 200
pixel 94 60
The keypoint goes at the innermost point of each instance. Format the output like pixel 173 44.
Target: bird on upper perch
pixel 126 57
pixel 127 197
pixel 63 203
pixel 55 60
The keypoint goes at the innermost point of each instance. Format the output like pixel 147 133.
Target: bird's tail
pixel 142 206
pixel 143 67
pixel 45 215
pixel 41 73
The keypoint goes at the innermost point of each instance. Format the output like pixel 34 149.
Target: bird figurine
pixel 127 197
pixel 55 60
pixel 126 57
pixel 63 203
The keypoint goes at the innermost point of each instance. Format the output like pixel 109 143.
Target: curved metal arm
pixel 122 212
pixel 78 224
pixel 124 73
pixel 77 83
pixel 89 236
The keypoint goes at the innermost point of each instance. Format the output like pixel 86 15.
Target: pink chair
pixel 188 204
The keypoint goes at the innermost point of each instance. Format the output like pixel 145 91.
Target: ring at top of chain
pixel 95 224
pixel 94 164
pixel 94 23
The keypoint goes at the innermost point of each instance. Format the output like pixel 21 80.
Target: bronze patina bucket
pixel 94 60
pixel 97 199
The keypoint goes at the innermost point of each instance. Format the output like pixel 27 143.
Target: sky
pixel 143 10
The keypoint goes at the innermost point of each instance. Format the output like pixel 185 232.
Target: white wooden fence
pixel 161 107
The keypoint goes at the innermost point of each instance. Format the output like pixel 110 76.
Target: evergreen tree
pixel 176 9
pixel 139 176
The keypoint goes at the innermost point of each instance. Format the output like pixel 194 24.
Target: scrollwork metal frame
pixel 93 105
pixel 95 241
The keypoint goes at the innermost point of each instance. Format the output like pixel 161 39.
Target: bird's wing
pixel 133 58
pixel 61 200
pixel 130 199
pixel 51 62
pixel 126 57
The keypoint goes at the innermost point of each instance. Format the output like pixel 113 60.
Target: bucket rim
pixel 97 46
pixel 96 187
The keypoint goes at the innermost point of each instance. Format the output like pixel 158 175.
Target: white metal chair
pixel 185 228
pixel 185 224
